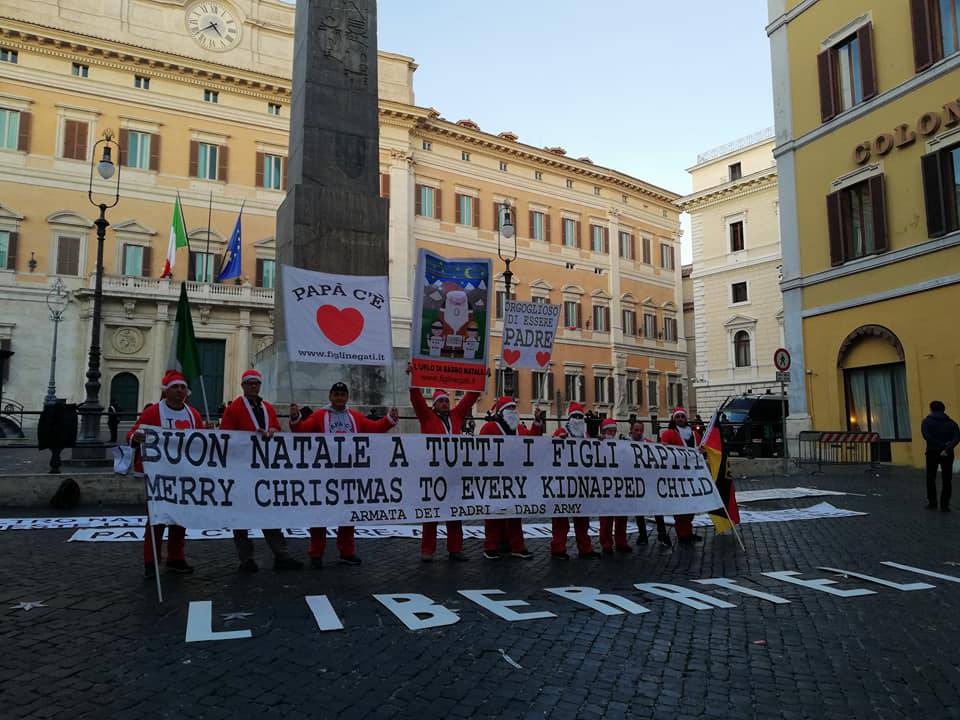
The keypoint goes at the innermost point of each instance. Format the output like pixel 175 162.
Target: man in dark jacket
pixel 942 435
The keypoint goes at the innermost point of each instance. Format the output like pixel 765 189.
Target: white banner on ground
pixel 210 479
pixel 336 318
pixel 528 333
pixel 746 496
pixel 814 512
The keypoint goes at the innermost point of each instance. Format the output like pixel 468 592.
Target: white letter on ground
pixel 921 571
pixel 502 607
pixel 323 612
pixel 409 607
pixel 596 600
pixel 743 590
pixel 906 587
pixel 691 598
pixel 200 624
pixel 821 584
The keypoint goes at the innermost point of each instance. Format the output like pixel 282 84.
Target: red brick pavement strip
pixel 104 648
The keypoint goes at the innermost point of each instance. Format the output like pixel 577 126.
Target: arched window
pixel 741 349
pixel 125 394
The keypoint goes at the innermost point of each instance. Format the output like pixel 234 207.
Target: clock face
pixel 213 25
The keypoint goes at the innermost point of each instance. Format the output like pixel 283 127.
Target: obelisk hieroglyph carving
pixel 333 219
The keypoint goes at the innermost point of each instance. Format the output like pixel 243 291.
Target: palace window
pixel 427 201
pixel 137 151
pixel 426 145
pixel 647 252
pixel 670 329
pixel 208 156
pixel 75 134
pixel 9 129
pixel 68 255
pixel 856 219
pixel 877 401
pixel 571 233
pixel 9 56
pixel 653 393
pixel 80 70
pixel 503 166
pixel 598 238
pixel 626 245
pixel 538 225
pixel 735 171
pixel 634 391
pixel 738 292
pixel 508 382
pixel 201 267
pixel 542 386
pixel 464 155
pixel 211 96
pixel 936 30
pixel 629 322
pixel 502 302
pixel 941 190
pixel 601 318
pixel 273 109
pixel 266 273
pixel 736 236
pixel 134 257
pixel 273 172
pixel 667 261
pixel 467 210
pixel 570 184
pixel 141 82
pixel 846 74
pixel 650 326
pixel 603 389
pixel 741 349
pixel 537 175
pixel 573 387
pixel 8 250
pixel 571 314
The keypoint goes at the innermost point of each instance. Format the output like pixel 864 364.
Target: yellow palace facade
pixel 867 117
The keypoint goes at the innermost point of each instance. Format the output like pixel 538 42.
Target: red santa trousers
pixel 581 530
pixel 613 530
pixel 175 543
pixel 428 542
pixel 683 525
pixel 497 532
pixel 346 544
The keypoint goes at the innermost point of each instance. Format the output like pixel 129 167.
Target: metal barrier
pixel 837 448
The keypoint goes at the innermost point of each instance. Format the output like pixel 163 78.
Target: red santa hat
pixel 575 407
pixel 251 374
pixel 504 403
pixel 608 424
pixel 678 411
pixel 440 395
pixel 173 377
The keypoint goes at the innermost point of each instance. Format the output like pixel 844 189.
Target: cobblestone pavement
pixel 102 647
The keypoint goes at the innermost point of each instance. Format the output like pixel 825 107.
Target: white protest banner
pixel 211 479
pixel 336 318
pixel 528 333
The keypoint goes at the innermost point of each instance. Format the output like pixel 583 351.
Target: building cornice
pixel 748 184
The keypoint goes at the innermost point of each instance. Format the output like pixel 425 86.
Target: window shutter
pixel 673 258
pixel 606 319
pixel 835 228
pixel 606 240
pixel 124 146
pixel 579 315
pixel 284 172
pixel 437 213
pixel 633 247
pixel 930 168
pixel 192 265
pixel 23 140
pixel 194 153
pixel 68 256
pixel 496 217
pixel 418 199
pixel 69 139
pixel 546 228
pixel 881 242
pixel 530 218
pixel 456 202
pixel 868 73
pixel 577 233
pixel 81 131
pixel 223 156
pixel 646 250
pixel 610 389
pixel 259 172
pixel 12 241
pixel 475 204
pixel 384 185
pixel 146 269
pixel 259 272
pixel 828 95
pixel 924 45
pixel 155 152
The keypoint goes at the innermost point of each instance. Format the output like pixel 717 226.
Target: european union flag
pixel 230 268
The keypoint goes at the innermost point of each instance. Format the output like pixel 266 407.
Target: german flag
pixel 716 453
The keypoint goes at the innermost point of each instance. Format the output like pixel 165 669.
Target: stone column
pixel 403 244
pixel 243 345
pixel 617 359
pixel 161 351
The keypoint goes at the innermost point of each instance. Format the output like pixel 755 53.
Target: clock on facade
pixel 213 25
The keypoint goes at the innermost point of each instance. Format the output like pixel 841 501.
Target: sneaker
pixel 522 554
pixel 491 555
pixel 349 560
pixel 690 540
pixel 664 541
pixel 287 563
pixel 458 557
pixel 248 566
pixel 608 551
pixel 179 567
pixel 149 570
pixel 559 556
pixel 624 549
pixel 592 555
pixel 316 562
pixel 426 558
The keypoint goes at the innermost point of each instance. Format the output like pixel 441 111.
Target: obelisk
pixel 333 219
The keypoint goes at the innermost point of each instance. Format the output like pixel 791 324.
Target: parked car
pixel 753 425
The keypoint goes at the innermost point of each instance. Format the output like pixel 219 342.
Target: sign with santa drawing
pixel 449 341
pixel 336 318
pixel 528 333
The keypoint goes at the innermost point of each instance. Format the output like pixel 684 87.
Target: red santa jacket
pixel 317 423
pixel 492 427
pixel 430 422
pixel 237 417
pixel 672 437
pixel 151 416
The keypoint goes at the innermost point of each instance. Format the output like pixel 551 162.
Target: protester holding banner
pixel 575 427
pixel 252 413
pixel 334 419
pixel 613 528
pixel 679 432
pixel 441 420
pixel 506 421
pixel 171 412
pixel 663 537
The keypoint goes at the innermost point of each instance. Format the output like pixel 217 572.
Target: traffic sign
pixel 781 359
pixel 783 376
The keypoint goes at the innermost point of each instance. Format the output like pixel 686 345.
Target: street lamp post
pixel 507 230
pixel 57 304
pixel 88 445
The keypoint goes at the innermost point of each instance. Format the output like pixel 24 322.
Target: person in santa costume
pixel 439 419
pixel 613 529
pixel 334 419
pixel 679 432
pixel 252 413
pixel 575 427
pixel 171 412
pixel 506 421
pixel 636 435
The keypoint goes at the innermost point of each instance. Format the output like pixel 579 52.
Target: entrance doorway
pixel 125 395
pixel 212 354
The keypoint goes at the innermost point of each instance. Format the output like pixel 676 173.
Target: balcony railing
pixel 141 287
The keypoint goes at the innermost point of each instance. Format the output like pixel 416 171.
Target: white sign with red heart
pixel 336 318
pixel 528 333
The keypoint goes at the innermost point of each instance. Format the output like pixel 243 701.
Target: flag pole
pixel 209 224
pixel 733 525
pixel 206 406
pixel 153 543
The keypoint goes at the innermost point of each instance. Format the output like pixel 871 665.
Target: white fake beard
pixel 511 418
pixel 456 315
pixel 577 428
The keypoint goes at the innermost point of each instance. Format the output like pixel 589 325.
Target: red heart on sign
pixel 543 358
pixel 511 356
pixel 181 424
pixel 341 327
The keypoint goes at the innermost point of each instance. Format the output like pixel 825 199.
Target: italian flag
pixel 178 239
